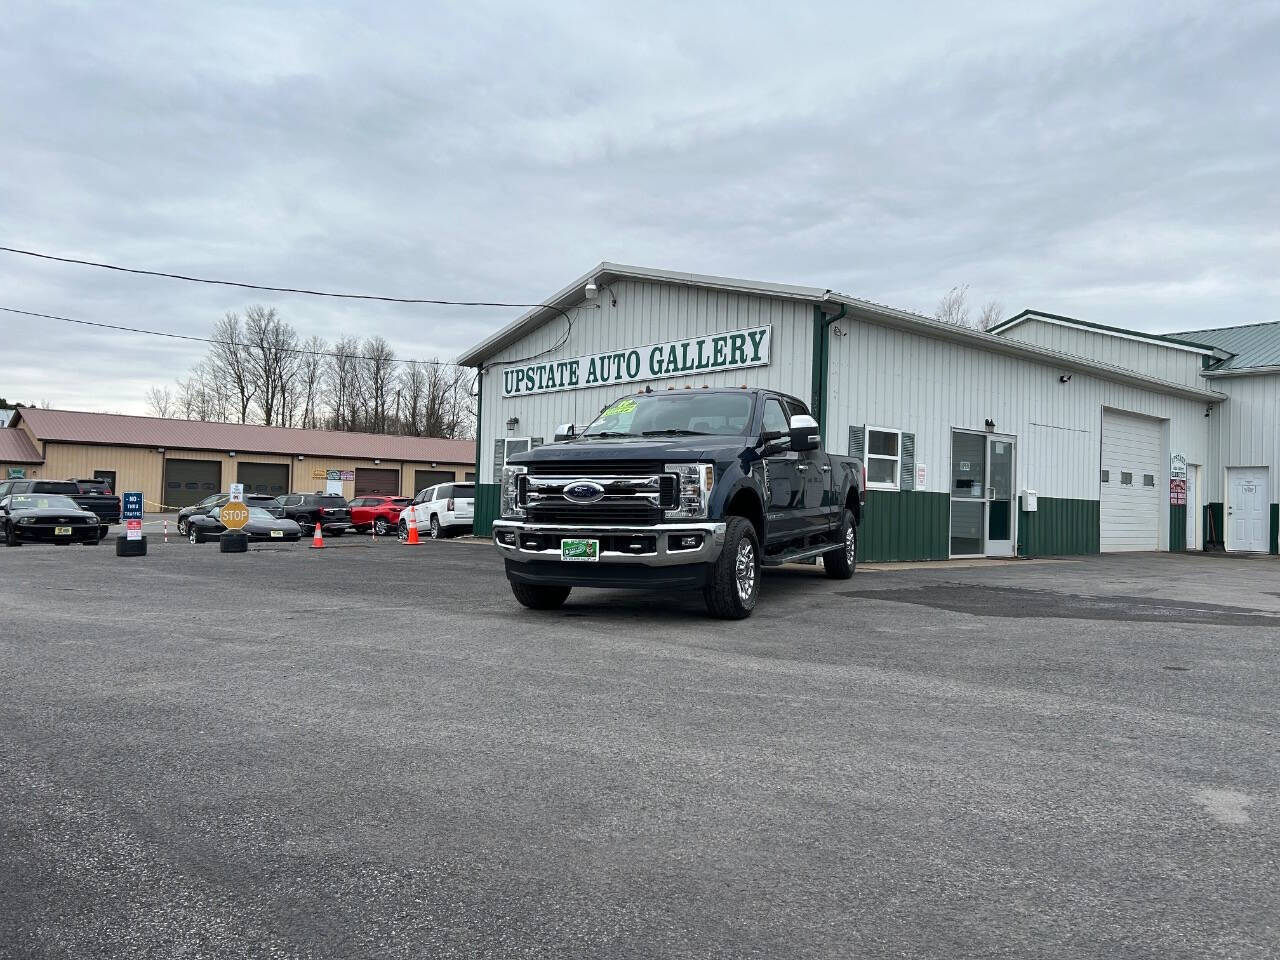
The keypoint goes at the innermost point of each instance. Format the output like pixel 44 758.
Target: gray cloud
pixel 1115 162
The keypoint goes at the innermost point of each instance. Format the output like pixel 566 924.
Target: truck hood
pixel 674 449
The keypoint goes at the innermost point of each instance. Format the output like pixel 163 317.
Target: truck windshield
pixel 675 414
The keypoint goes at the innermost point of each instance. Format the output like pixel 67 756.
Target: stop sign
pixel 234 516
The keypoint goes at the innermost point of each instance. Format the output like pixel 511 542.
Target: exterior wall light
pixel 231 453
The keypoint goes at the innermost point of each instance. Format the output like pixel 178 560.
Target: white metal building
pixel 958 428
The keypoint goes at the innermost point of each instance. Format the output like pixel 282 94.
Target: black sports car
pixel 261 526
pixel 46 517
pixel 209 504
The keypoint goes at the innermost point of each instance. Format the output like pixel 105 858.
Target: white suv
pixel 440 511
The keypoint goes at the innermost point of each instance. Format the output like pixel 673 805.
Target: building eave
pixel 572 295
pixel 991 343
pixel 1155 339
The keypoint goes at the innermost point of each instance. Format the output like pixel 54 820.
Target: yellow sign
pixel 317 474
pixel 234 516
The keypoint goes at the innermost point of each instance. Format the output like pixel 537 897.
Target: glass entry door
pixel 982 495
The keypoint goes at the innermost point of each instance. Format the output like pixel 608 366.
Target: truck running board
pixel 808 554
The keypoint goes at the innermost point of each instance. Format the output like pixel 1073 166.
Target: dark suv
pixel 329 510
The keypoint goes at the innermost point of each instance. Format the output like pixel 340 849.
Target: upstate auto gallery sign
pixel 716 351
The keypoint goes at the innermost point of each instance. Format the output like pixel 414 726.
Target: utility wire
pixel 225 343
pixel 274 289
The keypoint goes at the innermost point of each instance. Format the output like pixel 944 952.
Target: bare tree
pixel 340 382
pixel 990 315
pixel 272 358
pixel 160 402
pixel 311 380
pixel 229 362
pixel 954 307
pixel 378 370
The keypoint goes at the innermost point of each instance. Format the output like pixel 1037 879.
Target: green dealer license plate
pixel 582 550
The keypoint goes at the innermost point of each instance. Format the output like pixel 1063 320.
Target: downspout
pixel 822 363
pixel 479 419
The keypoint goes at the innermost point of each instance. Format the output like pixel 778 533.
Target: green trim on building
pixel 1275 529
pixel 904 526
pixel 1060 527
pixel 1177 529
pixel 1213 532
pixel 487 504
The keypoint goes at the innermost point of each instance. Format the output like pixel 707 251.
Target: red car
pixel 380 513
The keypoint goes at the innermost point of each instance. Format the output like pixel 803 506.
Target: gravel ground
pixel 372 751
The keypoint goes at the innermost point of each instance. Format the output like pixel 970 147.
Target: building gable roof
pixel 831 303
pixel 70 426
pixel 16 447
pixel 1178 343
pixel 1253 345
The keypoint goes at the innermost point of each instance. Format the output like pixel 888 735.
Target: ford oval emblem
pixel 583 491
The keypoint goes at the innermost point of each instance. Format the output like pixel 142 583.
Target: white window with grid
pixel 884 458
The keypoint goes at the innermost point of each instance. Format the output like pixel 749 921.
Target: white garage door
pixel 1132 454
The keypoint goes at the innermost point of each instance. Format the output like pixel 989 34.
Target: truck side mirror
pixel 566 431
pixel 804 433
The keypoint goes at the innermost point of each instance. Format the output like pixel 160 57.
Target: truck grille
pixel 602 513
pixel 628 493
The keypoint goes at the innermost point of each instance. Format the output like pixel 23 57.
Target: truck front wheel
pixel 539 596
pixel 734 583
pixel 840 563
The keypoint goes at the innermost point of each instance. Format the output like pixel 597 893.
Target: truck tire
pixel 840 563
pixel 539 596
pixel 734 584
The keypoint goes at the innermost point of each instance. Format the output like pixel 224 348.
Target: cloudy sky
pixel 1114 161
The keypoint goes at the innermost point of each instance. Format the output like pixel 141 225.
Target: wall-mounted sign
pixel 348 474
pixel 714 352
pixel 1178 491
pixel 921 475
pixel 318 473
pixel 17 473
pixel 1178 467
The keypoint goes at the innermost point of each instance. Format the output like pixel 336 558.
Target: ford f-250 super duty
pixel 679 489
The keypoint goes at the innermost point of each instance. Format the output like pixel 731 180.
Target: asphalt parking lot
pixel 372 751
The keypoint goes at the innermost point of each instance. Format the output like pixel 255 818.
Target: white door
pixel 1132 475
pixel 1193 507
pixel 1248 510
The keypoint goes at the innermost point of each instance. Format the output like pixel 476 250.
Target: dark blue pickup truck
pixel 679 489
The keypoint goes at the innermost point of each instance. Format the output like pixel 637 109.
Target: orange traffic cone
pixel 413 534
pixel 317 541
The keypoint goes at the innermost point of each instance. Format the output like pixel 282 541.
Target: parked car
pixel 329 510
pixel 209 504
pixel 377 513
pixel 440 511
pixel 262 525
pixel 679 490
pixel 105 506
pixel 52 518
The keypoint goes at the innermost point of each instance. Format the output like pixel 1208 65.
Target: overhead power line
pixel 299 290
pixel 228 343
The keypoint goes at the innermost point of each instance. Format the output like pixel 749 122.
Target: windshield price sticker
pixel 731 350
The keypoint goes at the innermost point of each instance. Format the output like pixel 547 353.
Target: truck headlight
pixel 511 505
pixel 26 520
pixel 693 489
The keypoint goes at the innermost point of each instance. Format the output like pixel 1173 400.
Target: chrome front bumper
pixel 662 554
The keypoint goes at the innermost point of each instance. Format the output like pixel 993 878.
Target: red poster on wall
pixel 1178 492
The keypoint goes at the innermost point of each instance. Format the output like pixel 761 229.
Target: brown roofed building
pixel 176 463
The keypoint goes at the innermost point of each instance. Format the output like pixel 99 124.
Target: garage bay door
pixel 267 479
pixel 429 478
pixel 371 482
pixel 1132 455
pixel 187 482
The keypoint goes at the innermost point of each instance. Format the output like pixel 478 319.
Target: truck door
pixel 785 482
pixel 815 473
